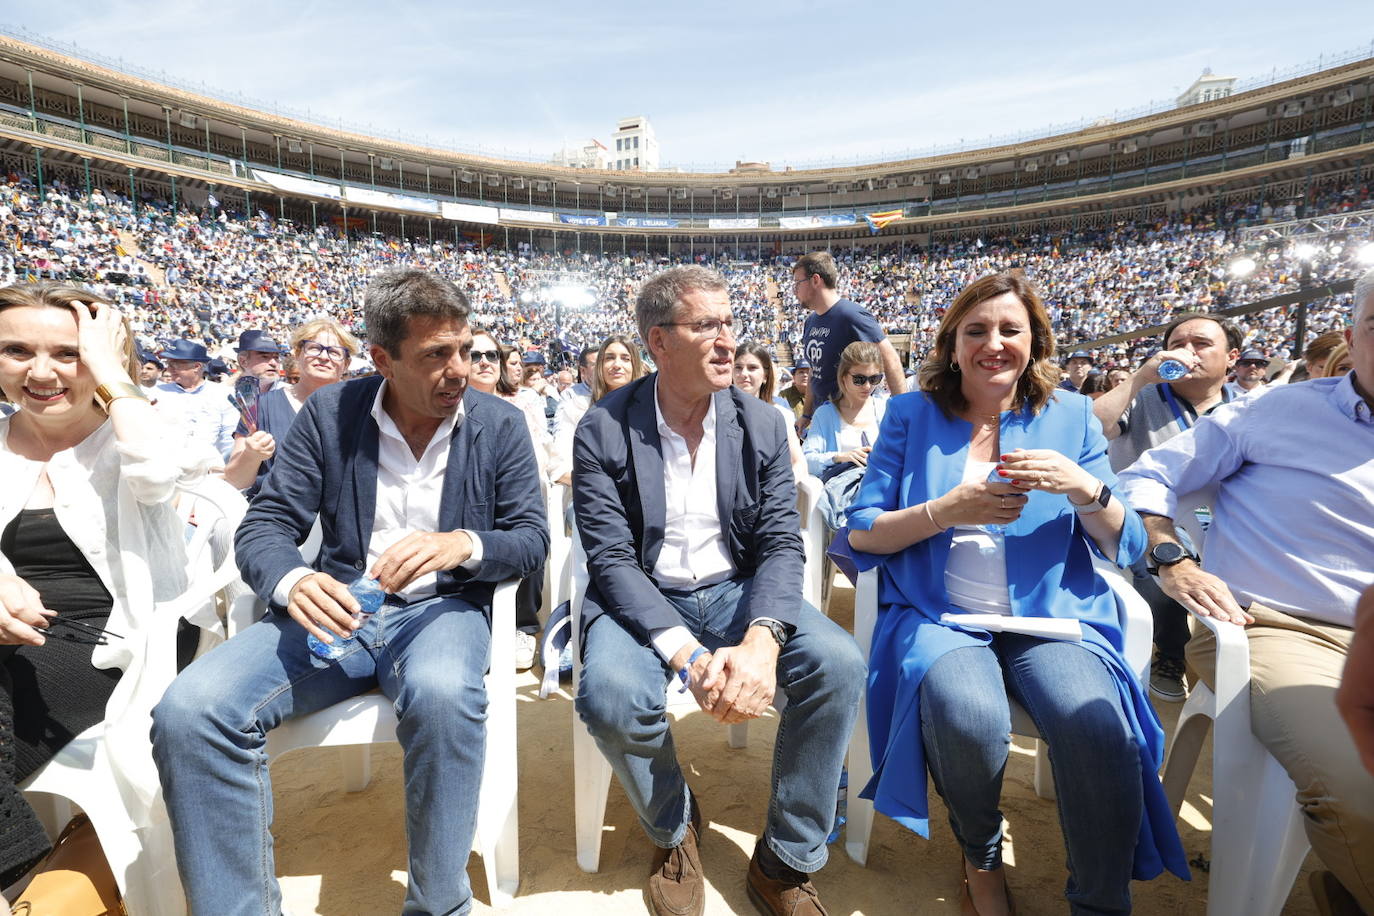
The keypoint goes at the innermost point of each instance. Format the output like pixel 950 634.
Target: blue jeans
pixel 210 737
pixel 1072 698
pixel 621 698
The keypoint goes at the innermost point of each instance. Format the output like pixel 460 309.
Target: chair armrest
pixel 866 610
pixel 1134 615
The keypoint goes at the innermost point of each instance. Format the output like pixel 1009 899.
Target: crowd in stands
pixel 208 274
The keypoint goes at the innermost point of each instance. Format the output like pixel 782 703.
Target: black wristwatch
pixel 1096 504
pixel 778 630
pixel 1168 553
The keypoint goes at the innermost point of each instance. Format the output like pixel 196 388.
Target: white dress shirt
pixel 409 491
pixel 203 413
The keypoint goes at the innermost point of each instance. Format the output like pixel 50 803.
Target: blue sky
pixel 801 82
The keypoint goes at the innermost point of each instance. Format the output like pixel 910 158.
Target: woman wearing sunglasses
pixel 89 536
pixel 843 430
pixel 322 351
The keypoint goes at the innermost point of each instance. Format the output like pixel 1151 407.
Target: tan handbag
pixel 74 880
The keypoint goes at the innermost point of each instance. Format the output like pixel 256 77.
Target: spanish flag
pixel 876 221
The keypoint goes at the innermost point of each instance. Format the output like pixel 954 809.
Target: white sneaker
pixel 525 644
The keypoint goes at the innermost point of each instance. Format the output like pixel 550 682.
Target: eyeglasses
pixel 311 348
pixel 705 329
pixel 83 633
pixel 862 380
pixel 488 356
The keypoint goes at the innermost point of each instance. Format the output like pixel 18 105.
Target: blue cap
pixel 185 349
pixel 801 363
pixel 257 342
pixel 533 358
pixel 1253 356
pixel 1080 354
pixel 147 356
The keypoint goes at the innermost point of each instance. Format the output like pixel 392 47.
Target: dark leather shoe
pixel 791 893
pixel 677 887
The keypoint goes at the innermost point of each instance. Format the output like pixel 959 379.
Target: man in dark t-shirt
pixel 834 324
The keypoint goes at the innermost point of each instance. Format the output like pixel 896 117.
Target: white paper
pixel 1066 629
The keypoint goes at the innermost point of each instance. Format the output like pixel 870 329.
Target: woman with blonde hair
pixel 989 492
pixel 322 349
pixel 618 362
pixel 843 430
pixel 90 539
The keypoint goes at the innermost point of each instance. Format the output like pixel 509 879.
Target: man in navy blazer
pixel 686 508
pixel 432 490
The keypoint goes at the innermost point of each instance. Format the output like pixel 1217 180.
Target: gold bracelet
pixel 931 515
pixel 105 395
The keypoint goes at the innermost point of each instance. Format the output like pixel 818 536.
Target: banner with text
pixel 647 222
pixel 818 221
pixel 750 222
pixel 575 219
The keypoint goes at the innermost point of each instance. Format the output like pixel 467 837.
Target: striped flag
pixel 876 221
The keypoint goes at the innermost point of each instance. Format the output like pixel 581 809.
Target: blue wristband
pixel 684 674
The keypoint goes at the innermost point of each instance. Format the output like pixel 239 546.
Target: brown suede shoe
pixel 790 894
pixel 676 887
pixel 1331 897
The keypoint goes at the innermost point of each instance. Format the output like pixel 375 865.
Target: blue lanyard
pixel 1183 419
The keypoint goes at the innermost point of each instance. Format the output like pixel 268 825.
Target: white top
pixel 851 435
pixel 976 573
pixel 570 413
pixel 694 552
pixel 409 490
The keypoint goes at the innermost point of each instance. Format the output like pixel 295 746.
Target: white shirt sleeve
pixel 668 641
pixel 474 560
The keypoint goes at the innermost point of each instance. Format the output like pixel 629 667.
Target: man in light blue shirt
pixel 200 408
pixel 1290 553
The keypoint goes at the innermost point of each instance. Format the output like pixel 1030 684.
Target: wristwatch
pixel 1168 553
pixel 778 630
pixel 1096 504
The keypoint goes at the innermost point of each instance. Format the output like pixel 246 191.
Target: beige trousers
pixel 1295 668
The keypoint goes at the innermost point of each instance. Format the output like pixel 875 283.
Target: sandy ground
pixel 341 854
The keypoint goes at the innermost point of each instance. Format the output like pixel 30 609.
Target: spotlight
pixel 1366 254
pixel 1242 267
pixel 1305 251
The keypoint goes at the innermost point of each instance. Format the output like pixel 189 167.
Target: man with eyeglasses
pixel 834 323
pixel 686 507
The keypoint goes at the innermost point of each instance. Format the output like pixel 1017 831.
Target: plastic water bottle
pixel 1171 370
pixel 996 530
pixel 370 596
pixel 841 806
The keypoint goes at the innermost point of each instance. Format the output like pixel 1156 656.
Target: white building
pixel 1206 88
pixel 633 147
pixel 590 154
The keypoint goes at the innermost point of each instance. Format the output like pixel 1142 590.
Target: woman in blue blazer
pixel 952 541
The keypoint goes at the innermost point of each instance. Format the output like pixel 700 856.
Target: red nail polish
pixel 1006 457
pixel 1003 472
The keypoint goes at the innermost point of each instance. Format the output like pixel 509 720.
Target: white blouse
pixel 976 572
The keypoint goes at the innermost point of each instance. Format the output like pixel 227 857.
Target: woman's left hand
pixel 1049 471
pixel 100 338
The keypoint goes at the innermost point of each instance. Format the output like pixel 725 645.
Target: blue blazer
pixel 327 466
pixel 621 506
pixel 920 454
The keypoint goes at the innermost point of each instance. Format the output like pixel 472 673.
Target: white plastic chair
pixel 81 774
pixel 362 721
pixel 1258 841
pixel 815 535
pixel 558 569
pixel 1136 626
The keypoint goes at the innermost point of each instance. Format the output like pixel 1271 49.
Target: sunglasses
pixel 862 380
pixel 83 633
pixel 489 356
pixel 1253 362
